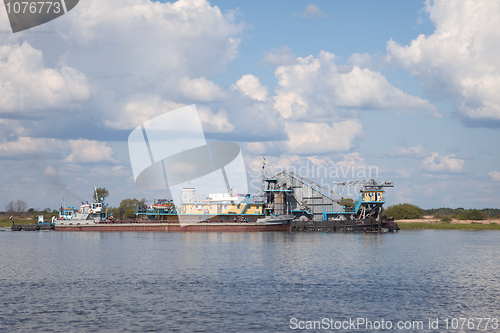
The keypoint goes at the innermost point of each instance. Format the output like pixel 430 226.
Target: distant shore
pixel 429 222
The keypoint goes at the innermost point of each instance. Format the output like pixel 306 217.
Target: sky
pixel 402 91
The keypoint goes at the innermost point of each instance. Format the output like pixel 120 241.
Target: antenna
pixel 263 171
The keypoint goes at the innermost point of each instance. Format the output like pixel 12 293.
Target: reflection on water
pixel 234 282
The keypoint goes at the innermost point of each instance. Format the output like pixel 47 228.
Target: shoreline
pixel 429 222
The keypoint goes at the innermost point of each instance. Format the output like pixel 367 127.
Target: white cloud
pixel 86 151
pixel 122 61
pixel 442 164
pixel 188 37
pixel 279 57
pixel 366 60
pixel 29 147
pixel 250 86
pixel 201 89
pixel 315 89
pixel 495 175
pixel 312 11
pixel 28 86
pixel 320 138
pixel 76 151
pixel 137 109
pixel 460 59
pixel 214 122
pixel 417 151
pixel 310 139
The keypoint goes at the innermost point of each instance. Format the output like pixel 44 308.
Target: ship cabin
pixel 222 204
pixel 371 196
pixel 216 207
pixel 66 213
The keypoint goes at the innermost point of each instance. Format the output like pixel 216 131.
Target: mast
pixel 263 171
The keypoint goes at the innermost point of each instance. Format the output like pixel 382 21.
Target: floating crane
pixel 314 207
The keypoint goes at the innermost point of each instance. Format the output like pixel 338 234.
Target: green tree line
pixel 408 211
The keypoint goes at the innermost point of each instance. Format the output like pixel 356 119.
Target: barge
pixel 287 202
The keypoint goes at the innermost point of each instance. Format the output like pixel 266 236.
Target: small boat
pixel 162 204
pixel 41 225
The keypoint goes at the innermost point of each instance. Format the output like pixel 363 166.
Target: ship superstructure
pixel 317 208
pixel 88 213
pixel 224 207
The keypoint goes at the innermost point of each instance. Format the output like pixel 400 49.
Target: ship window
pixel 239 205
pixel 225 206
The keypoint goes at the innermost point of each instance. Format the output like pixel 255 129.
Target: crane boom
pixel 316 184
pixel 367 183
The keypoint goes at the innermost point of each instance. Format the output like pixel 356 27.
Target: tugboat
pixel 88 213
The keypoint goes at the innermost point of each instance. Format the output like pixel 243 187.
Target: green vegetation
pixel 126 208
pixel 456 212
pixel 25 218
pixel 100 193
pixel 423 225
pixel 403 212
pixel 446 219
pixel 348 202
pixel 472 214
pixel 443 218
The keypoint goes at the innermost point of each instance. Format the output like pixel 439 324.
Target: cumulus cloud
pixel 188 37
pixel 138 108
pixel 312 11
pixel 460 59
pixel 315 88
pixel 495 175
pixel 309 139
pixel 86 151
pixel 201 89
pixel 442 164
pixel 417 151
pixel 107 61
pixel 250 86
pixel 28 86
pixel 321 138
pixel 76 151
pixel 50 171
pixel 214 122
pixel 30 147
pixel 366 60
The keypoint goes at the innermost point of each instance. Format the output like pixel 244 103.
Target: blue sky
pixel 404 86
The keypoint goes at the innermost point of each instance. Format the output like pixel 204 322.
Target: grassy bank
pixel 471 226
pixel 25 218
pixel 6 223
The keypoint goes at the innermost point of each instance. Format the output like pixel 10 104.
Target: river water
pixel 240 282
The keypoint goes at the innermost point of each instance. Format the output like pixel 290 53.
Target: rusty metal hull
pixel 176 227
pixel 30 227
pixel 365 225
